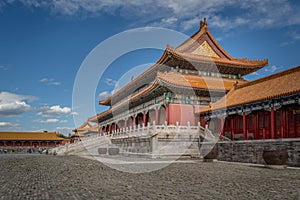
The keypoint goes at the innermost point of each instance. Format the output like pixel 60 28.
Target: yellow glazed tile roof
pixel 281 84
pixel 47 136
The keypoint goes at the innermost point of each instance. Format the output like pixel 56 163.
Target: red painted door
pixel 228 128
pixel 264 125
pixel 238 128
pixel 278 124
pixel 251 127
pixel 297 124
pixel 291 124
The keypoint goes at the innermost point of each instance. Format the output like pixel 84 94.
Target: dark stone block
pixel 113 151
pixel 275 157
pixel 102 151
pixel 213 154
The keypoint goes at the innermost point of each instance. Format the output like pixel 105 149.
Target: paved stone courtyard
pixel 58 177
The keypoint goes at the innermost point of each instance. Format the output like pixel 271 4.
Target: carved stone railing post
pixel 148 128
pixel 139 130
pixel 154 126
pixel 166 126
pixel 130 131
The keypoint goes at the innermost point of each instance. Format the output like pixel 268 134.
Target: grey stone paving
pixel 58 177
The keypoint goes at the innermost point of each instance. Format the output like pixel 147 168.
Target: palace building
pixel 179 86
pixel 267 108
pixel 85 130
pixel 30 139
pixel 190 99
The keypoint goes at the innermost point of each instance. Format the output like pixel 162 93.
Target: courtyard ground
pixel 72 177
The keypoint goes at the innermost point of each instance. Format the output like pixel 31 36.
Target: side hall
pixel 267 108
pixel 30 139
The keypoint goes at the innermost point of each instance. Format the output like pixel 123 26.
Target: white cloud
pixel 50 81
pixel 74 113
pixel 170 20
pixel 56 110
pixel 3 68
pixel 104 95
pixel 43 80
pixel 110 82
pixel 64 130
pixel 295 35
pixel 253 13
pixel 47 121
pixel 8 125
pixel 51 121
pixel 14 104
pixel 283 44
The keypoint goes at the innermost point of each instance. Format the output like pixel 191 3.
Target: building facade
pixel 30 139
pixel 267 108
pixel 182 83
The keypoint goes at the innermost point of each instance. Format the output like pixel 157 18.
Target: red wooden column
pixel 167 113
pixel 256 135
pixel 245 126
pixel 133 120
pixel 283 124
pixel 272 123
pixel 222 119
pixel 14 143
pixel 22 144
pixel 232 128
pixel 109 129
pixel 145 118
pixel 287 123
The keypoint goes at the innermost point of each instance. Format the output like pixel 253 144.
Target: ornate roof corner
pixel 203 23
pixel 170 47
pixel 235 85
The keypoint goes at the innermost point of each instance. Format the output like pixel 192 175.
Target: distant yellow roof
pixel 77 135
pixel 46 136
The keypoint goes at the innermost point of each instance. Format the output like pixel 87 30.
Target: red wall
pixel 182 114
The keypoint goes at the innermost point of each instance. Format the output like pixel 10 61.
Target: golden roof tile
pixel 40 136
pixel 198 82
pixel 212 52
pixel 277 85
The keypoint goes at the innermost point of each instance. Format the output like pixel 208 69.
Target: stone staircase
pixel 153 140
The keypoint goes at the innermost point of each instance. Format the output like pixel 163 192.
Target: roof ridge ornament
pixel 203 23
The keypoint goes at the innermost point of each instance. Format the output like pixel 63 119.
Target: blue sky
pixel 43 43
